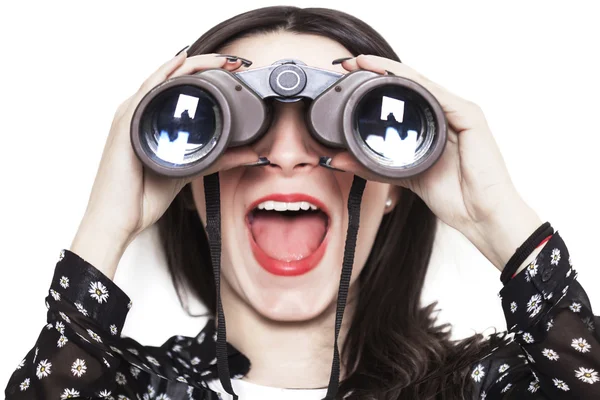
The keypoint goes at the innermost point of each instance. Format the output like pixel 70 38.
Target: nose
pixel 288 144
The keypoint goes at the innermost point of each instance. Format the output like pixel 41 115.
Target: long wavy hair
pixel 394 347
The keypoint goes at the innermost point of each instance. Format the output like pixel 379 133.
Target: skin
pixel 469 189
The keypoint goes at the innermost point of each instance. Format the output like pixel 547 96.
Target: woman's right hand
pixel 127 198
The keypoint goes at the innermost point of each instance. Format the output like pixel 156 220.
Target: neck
pixel 293 355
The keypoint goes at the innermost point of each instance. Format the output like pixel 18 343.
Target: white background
pixel 532 66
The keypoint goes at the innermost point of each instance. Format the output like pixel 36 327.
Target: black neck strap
pixel 213 227
pixel 212 197
pixel 354 201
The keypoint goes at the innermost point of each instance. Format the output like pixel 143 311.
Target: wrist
pixel 499 236
pixel 100 245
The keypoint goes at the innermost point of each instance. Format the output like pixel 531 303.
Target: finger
pixel 161 74
pixel 206 61
pixel 346 162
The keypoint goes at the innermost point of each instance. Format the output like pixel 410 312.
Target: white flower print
pixel 64 282
pixel 24 385
pixel 61 255
pixel 568 273
pixel 94 336
pixel 215 336
pixel 575 307
pixel 133 351
pixel 105 362
pixel 190 391
pixel 121 379
pixel 153 360
pixel 69 393
pixel 550 324
pixel 98 291
pixel 200 338
pixel 134 371
pixel 55 294
pixel 534 386
pixel 163 396
pixel 43 369
pixel 560 384
pixel 60 327
pixel 176 348
pixel 129 305
pixel 21 364
pixel 116 350
pixel 581 345
pixel 534 302
pixel 501 377
pixel 589 323
pixel 503 368
pixel 35 355
pixel 565 289
pixel 65 317
pixel 113 329
pixel 483 395
pixel 195 361
pixel 532 268
pixel 513 307
pixel 506 388
pixel 49 326
pixel 527 337
pixel 555 257
pixel 181 379
pixel 478 373
pixel 104 393
pixel 121 397
pixel 78 368
pixel 151 391
pixel 570 263
pixel 81 309
pixel 213 361
pixel 62 340
pixel 587 375
pixel 551 354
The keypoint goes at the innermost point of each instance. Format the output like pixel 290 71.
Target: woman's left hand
pixel 469 187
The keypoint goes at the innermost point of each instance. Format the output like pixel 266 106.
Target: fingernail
pixel 326 162
pixel 261 161
pixel 390 73
pixel 340 60
pixel 232 59
pixel 179 52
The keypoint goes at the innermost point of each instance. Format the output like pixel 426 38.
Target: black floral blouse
pixel 80 353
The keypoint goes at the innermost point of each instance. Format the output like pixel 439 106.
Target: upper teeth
pixel 283 206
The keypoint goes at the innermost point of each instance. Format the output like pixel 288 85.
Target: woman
pixel 281 315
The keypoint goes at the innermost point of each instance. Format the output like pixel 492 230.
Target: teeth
pixel 283 206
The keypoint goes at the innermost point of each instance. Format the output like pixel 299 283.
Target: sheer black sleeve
pixel 555 351
pixel 81 353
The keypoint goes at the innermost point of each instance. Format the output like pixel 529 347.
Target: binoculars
pixel 392 125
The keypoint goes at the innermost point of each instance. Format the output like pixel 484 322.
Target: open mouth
pixel 288 233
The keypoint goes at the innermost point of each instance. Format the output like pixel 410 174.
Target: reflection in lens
pixel 181 125
pixel 392 121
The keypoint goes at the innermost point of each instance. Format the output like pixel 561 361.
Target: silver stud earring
pixel 388 203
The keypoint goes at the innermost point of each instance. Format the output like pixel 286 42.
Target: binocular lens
pixel 392 122
pixel 180 126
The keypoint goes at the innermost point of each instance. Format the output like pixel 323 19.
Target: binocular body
pixel 392 125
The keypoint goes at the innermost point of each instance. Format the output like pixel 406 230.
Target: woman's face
pixel 286 265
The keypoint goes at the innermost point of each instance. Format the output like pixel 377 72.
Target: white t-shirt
pixel 251 391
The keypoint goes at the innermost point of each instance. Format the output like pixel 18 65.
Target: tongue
pixel 288 238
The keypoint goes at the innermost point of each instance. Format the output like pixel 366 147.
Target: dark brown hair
pixel 394 348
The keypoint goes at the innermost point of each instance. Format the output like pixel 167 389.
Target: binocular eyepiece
pixel 392 125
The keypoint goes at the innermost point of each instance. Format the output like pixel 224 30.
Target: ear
pixel 394 195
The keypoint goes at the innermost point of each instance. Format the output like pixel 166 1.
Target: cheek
pixel 228 181
pixel 371 212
